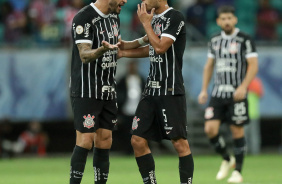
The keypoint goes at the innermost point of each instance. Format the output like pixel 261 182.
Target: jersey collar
pixel 98 11
pixel 225 36
pixel 159 15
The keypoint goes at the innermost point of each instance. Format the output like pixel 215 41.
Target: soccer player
pixel 233 55
pixel 96 37
pixel 161 113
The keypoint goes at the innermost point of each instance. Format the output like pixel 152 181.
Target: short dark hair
pixel 225 9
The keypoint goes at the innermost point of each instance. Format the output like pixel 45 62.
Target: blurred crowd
pixel 48 22
pixel 259 18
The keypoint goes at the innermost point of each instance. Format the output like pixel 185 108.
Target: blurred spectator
pixel 196 15
pixel 268 19
pixel 42 15
pixel 33 141
pixel 5 138
pixel 19 5
pixel 129 90
pixel 14 23
pixel 253 134
pixel 70 11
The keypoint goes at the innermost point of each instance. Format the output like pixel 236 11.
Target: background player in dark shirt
pixel 161 113
pixel 96 37
pixel 234 57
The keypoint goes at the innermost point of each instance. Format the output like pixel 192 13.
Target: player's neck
pixel 103 7
pixel 231 32
pixel 162 8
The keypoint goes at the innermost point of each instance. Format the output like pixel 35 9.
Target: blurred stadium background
pixel 35 51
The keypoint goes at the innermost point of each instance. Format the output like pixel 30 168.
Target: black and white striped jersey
pixel 97 78
pixel 165 76
pixel 230 53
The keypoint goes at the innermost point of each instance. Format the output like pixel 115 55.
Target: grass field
pixel 264 169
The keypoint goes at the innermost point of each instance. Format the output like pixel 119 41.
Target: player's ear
pixel 236 20
pixel 218 21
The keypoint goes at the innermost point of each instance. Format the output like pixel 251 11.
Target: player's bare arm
pixel 87 54
pixel 160 45
pixel 241 91
pixel 134 53
pixel 125 45
pixel 207 74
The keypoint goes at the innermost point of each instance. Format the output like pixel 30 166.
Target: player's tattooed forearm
pixel 87 54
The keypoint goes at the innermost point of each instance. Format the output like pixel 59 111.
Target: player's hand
pixel 146 38
pixel 203 97
pixel 240 93
pixel 143 15
pixel 108 46
pixel 120 53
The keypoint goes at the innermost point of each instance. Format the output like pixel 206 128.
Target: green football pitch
pixel 263 169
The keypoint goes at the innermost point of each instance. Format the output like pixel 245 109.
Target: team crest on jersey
pixel 89 121
pixel 79 29
pixel 209 113
pixel 135 123
pixel 115 30
pixel 158 31
pixel 233 49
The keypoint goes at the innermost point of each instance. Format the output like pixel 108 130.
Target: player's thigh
pixel 216 110
pixel 143 121
pixel 238 113
pixel 108 116
pixel 172 116
pixel 86 113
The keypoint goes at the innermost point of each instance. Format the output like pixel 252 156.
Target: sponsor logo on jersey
pixel 155 59
pixel 96 20
pixel 109 89
pixel 135 123
pixel 158 31
pixel 108 65
pixel 154 84
pixel 79 29
pixel 226 88
pixel 167 24
pixel 209 113
pixel 233 48
pixel 180 27
pixel 89 121
pixel 115 30
pixel 113 16
pixel 86 28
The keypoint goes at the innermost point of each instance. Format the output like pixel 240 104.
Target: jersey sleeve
pixel 82 29
pixel 174 26
pixel 250 47
pixel 211 53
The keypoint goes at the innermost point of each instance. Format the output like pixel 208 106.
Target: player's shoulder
pixel 114 16
pixel 85 13
pixel 175 14
pixel 243 35
pixel 215 37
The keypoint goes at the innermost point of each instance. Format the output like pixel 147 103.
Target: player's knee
pixel 210 132
pixel 181 145
pixel 138 142
pixel 85 141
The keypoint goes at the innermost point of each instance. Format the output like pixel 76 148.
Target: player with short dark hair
pixel 161 113
pixel 233 55
pixel 96 37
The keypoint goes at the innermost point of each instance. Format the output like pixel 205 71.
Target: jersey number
pixel 240 109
